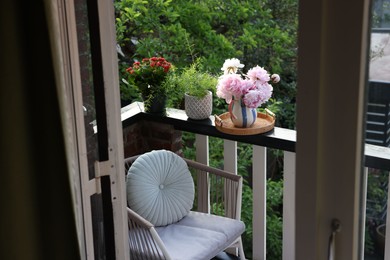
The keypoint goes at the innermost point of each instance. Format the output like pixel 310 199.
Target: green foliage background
pixel 256 32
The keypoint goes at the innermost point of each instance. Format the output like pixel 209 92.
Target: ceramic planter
pixel 198 108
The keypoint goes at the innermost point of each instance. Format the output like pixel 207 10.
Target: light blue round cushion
pixel 160 187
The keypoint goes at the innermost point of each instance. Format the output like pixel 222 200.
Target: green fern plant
pixel 196 82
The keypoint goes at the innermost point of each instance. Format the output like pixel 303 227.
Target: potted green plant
pixel 198 87
pixel 377 183
pixel 148 76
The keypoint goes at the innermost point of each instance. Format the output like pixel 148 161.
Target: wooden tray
pixel 265 122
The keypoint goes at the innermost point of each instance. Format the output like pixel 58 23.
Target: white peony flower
pixel 275 78
pixel 230 66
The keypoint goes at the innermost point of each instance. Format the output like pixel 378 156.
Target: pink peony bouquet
pixel 253 88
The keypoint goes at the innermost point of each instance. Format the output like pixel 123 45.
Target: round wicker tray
pixel 265 122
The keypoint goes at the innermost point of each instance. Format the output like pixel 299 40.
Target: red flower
pixel 149 73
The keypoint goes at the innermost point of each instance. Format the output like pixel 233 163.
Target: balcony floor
pixel 373 257
pixel 225 256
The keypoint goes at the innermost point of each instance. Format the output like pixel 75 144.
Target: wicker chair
pixel 212 226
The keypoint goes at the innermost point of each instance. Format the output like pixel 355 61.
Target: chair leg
pixel 241 250
pixel 237 249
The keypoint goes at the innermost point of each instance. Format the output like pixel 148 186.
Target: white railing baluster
pixel 202 148
pixel 230 164
pixel 259 176
pixel 202 156
pixel 289 206
pixel 230 156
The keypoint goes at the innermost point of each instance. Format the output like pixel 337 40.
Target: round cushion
pixel 160 187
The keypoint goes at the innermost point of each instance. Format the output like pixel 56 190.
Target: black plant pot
pixel 155 104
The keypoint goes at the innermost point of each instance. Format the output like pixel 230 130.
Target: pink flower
pixel 230 85
pixel 252 99
pixel 265 92
pixel 258 74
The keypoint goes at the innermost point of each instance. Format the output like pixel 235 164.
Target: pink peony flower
pixel 258 74
pixel 252 99
pixel 230 85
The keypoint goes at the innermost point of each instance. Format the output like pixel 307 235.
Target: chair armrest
pixel 129 160
pixel 134 217
pixel 144 242
pixel 218 192
pixel 215 171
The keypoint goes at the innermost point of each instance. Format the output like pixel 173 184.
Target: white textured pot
pixel 198 109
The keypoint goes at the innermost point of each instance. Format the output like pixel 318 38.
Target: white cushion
pixel 200 236
pixel 160 187
pixel 230 228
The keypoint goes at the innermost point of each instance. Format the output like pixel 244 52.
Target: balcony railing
pixel 279 138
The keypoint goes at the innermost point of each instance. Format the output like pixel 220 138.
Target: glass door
pixel 94 129
pixel 377 136
pixel 90 77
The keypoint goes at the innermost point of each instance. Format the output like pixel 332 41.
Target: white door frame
pixel 63 33
pixel 333 47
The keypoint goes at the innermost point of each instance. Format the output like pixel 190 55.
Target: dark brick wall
pixel 146 136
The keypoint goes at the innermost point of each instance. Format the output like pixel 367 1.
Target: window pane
pixel 377 121
pixel 378 128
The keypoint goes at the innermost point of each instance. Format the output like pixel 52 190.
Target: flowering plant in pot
pixel 148 76
pixel 198 87
pixel 244 92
